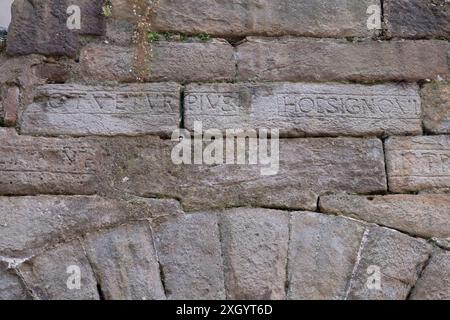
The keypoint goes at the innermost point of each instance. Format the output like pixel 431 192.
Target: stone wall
pixel 360 205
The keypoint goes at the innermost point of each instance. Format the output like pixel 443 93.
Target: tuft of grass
pixel 168 36
pixel 204 36
pixel 153 36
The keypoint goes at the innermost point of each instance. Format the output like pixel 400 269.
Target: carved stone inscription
pixel 83 110
pixel 306 109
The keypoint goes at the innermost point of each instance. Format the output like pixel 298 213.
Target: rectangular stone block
pixel 306 109
pixel 322 252
pixel 301 59
pixel 425 215
pixel 79 110
pixel 418 163
pixel 31 165
pixel 436 107
pixel 255 249
pixel 29 223
pixel 307 167
pixel 339 18
pixel 61 273
pixel 170 61
pixel 125 262
pixel 188 248
pixel 417 18
pixel 388 265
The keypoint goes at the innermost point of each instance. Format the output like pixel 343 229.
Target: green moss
pixel 153 36
pixel 204 37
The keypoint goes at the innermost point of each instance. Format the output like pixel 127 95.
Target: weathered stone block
pixel 29 223
pixel 11 287
pixel 170 61
pixel 417 18
pixel 339 18
pixel 40 26
pixel 255 248
pixel 91 110
pixel 31 165
pixel 189 251
pixel 434 284
pixel 53 274
pixel 418 163
pixel 125 262
pixel 388 258
pixel 306 109
pixel 322 252
pixel 11 105
pixel 297 59
pixel 425 215
pixel 436 107
pixel 307 167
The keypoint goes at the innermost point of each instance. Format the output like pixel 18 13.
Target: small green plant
pixel 204 37
pixel 107 8
pixel 168 36
pixel 183 37
pixel 153 36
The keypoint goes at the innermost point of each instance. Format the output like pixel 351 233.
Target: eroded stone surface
pixel 92 110
pixel 418 163
pixel 48 275
pixel 306 109
pixel 343 164
pixel 297 59
pixel 417 18
pixel 436 107
pixel 322 252
pixel 170 61
pixel 426 216
pixel 11 287
pixel 255 247
pixel 125 262
pixel 434 283
pixel 392 257
pixel 29 223
pixel 190 255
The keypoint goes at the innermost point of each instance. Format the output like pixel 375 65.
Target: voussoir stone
pixel 387 266
pixel 434 283
pixel 425 215
pixel 255 247
pixel 170 61
pixel 307 167
pixel 436 107
pixel 79 110
pixel 417 18
pixel 11 286
pixel 53 274
pixel 125 262
pixel 29 223
pixel 418 163
pixel 305 109
pixel 302 59
pixel 189 252
pixel 322 252
pixel 41 26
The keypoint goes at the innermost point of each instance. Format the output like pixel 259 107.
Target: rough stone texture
pixel 240 18
pixel 322 252
pixel 52 72
pixel 399 258
pixel 29 223
pixel 125 263
pixel 31 166
pixel 418 163
pixel 434 283
pixel 426 216
pixel 171 61
pixel 255 247
pixel 92 110
pixel 297 59
pixel 47 274
pixel 40 26
pixel 190 256
pixel 436 107
pixel 11 105
pixel 417 18
pixel 11 287
pixel 343 164
pixel 306 109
